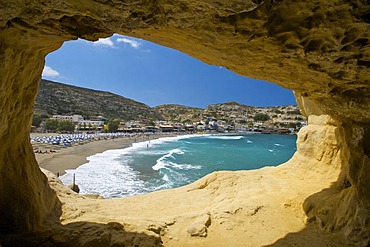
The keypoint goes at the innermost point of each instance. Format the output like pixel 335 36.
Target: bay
pixel 175 161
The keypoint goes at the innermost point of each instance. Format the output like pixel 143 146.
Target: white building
pixel 70 118
pixel 91 124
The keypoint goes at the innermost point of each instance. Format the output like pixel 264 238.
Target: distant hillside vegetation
pixel 57 98
pixel 179 113
pixel 230 106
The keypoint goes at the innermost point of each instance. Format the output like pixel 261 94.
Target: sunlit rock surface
pixel 320 49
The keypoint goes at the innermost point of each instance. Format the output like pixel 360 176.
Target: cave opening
pixel 156 75
pixel 312 48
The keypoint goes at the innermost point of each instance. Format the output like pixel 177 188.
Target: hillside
pixel 57 98
pixel 231 112
pixel 179 113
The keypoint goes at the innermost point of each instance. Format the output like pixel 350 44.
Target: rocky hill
pixel 57 98
pixel 229 111
pixel 179 113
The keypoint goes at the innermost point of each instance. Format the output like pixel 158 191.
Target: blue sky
pixel 155 75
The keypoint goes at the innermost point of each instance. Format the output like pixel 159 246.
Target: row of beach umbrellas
pixel 72 138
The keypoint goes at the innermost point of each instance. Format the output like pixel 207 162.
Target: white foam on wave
pixel 108 175
pixel 279 145
pixel 174 166
pixel 186 166
pixel 249 141
pixel 105 174
pixel 165 178
pixel 172 177
pixel 162 163
pixel 225 137
pixel 172 139
pixel 144 147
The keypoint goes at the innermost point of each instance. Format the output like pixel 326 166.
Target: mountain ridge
pixel 58 98
pixel 55 98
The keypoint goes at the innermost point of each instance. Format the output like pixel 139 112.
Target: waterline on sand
pixel 175 161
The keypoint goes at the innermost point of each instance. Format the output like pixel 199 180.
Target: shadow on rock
pixel 310 236
pixel 82 234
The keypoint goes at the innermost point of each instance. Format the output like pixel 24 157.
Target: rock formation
pixel 320 49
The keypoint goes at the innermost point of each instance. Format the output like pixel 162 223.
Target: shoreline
pixel 67 158
pixel 62 159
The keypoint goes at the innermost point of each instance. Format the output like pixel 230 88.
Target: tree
pixel 51 124
pixel 66 126
pixel 261 117
pixel 294 112
pixel 242 121
pixel 36 120
pixel 277 111
pixel 296 125
pixel 113 126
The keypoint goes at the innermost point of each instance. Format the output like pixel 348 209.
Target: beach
pixel 59 159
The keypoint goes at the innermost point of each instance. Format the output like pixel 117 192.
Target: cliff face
pixel 320 49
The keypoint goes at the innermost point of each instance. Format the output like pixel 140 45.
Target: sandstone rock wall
pixel 320 49
pixel 26 199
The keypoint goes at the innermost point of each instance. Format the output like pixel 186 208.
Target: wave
pixel 161 163
pixel 171 171
pixel 225 137
pixel 173 177
pixel 109 174
pixel 172 139
pixel 105 174
pixel 165 178
pixel 144 147
pixel 186 166
pixel 279 145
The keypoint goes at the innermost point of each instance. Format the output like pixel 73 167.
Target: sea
pixel 171 162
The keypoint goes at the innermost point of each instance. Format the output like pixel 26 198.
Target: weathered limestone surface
pixel 320 49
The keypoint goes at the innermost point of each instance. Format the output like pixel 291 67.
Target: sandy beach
pixel 64 158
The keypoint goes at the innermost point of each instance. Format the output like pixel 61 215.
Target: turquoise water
pixel 173 162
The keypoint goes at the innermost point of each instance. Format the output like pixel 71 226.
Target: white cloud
pixel 50 72
pixel 107 42
pixel 133 43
